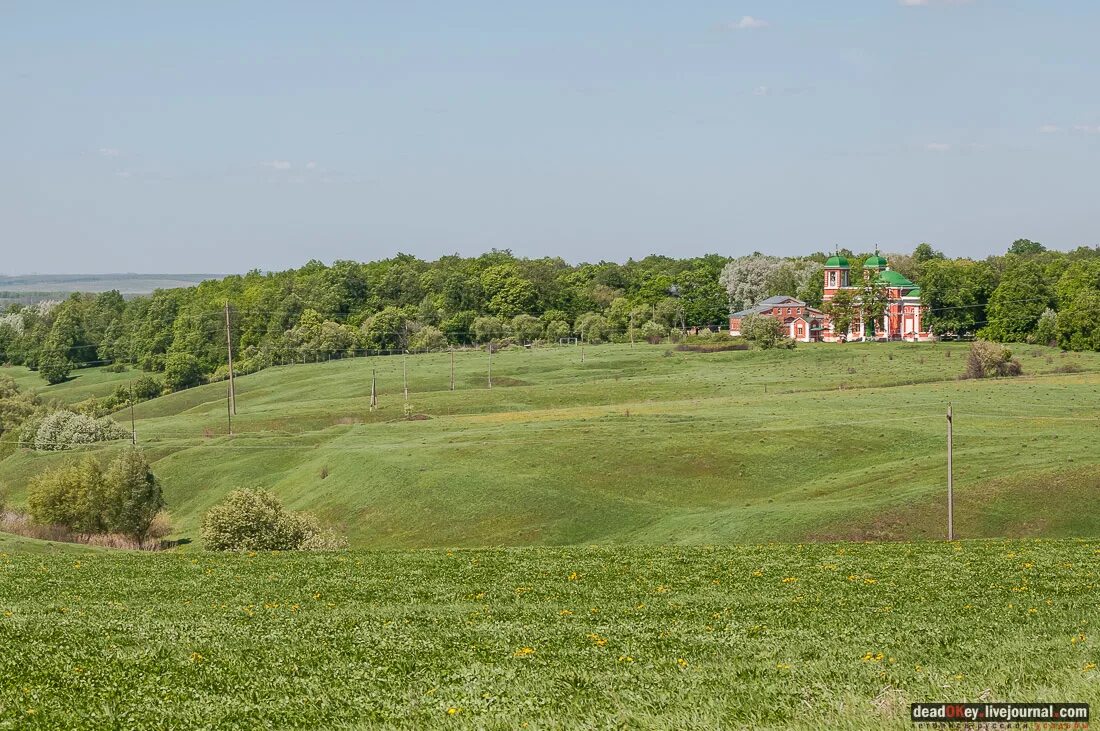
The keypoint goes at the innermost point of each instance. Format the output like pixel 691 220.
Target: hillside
pixel 784 636
pixel 642 445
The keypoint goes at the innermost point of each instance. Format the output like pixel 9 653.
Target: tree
pixel 527 328
pixel 428 338
pixel 873 300
pixel 1079 322
pixel 487 328
pixel 55 367
pixel 1017 303
pixel 987 360
pixel 182 370
pixel 388 329
pixel 592 328
pixel 132 495
pixel 842 311
pixel 1024 247
pixel 955 293
pixel 764 332
pixel 1046 331
pixel 746 279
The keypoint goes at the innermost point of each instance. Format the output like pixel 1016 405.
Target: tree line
pixel 322 311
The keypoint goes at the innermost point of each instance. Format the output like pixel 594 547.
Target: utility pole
pixel 229 346
pixel 373 390
pixel 632 330
pixel 582 352
pixel 452 368
pixel 490 349
pixel 229 411
pixel 950 479
pixel 133 423
pixel 405 377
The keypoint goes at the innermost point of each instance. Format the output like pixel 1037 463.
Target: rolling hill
pixel 634 445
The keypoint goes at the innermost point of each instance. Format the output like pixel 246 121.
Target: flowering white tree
pixel 746 279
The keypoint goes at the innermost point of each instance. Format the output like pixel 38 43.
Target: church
pixel 902 320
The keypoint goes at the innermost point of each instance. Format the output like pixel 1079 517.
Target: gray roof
pixel 770 302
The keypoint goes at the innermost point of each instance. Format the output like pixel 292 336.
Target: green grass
pixel 640 445
pixel 784 636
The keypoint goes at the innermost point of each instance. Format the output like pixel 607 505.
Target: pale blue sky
pixel 223 136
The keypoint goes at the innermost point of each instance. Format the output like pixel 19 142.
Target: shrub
pixel 765 332
pixel 1046 330
pixel 147 387
pixel 69 496
pixel 63 429
pixel 556 330
pixel 428 338
pixel 82 497
pixel 255 520
pixel 653 332
pixel 986 360
pixel 182 370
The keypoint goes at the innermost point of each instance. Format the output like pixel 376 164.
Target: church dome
pixel 837 262
pixel 874 262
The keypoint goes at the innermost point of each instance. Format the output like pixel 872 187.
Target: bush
pixel 428 338
pixel 63 429
pixel 255 520
pixel 653 332
pixel 147 387
pixel 765 332
pixel 986 360
pixel 182 370
pixel 557 330
pixel 82 497
pixel 69 496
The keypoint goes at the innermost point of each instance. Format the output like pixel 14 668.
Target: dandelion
pixel 453 711
pixel 597 640
pixel 573 576
pixel 197 657
pixel 1088 666
pixel 524 652
pixel 565 613
pixel 782 666
pixel 790 579
pixel 682 663
pixel 874 657
pixel 1079 638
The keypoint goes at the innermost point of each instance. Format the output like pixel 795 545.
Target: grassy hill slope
pixel 642 445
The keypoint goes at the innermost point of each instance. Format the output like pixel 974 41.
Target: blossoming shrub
pixel 255 520
pixel 63 429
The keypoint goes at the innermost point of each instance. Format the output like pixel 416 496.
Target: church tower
pixel 837 270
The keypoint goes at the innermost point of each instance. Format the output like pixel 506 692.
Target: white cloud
pixel 761 91
pixel 937 147
pixel 109 151
pixel 912 3
pixel 748 22
pixel 1087 129
pixel 278 164
pixel 925 3
pixel 1050 129
pixel 311 165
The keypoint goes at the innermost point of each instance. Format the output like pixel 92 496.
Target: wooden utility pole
pixel 229 411
pixel 452 369
pixel 373 390
pixel 582 352
pixel 405 377
pixel 490 349
pixel 133 423
pixel 950 479
pixel 229 346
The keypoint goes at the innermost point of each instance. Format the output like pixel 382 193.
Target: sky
pixel 228 136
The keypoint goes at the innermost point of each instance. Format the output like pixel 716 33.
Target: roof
pixel 914 292
pixel 837 262
pixel 769 303
pixel 894 279
pixel 875 262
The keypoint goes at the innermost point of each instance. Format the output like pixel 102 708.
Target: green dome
pixel 837 262
pixel 875 262
pixel 894 279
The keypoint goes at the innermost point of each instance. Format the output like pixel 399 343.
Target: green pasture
pixel 635 445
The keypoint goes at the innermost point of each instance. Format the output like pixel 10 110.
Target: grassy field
pixel 785 636
pixel 643 445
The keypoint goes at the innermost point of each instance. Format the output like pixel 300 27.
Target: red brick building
pixel 903 319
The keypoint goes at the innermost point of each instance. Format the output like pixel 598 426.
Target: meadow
pixel 778 636
pixel 633 445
